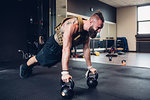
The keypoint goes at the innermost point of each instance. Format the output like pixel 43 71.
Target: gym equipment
pixel 67 89
pixel 41 40
pixel 121 53
pixel 92 79
pixel 77 56
pixel 110 58
pixel 122 43
pixel 123 62
pixel 93 45
pixel 95 53
pixel 25 55
pixel 112 53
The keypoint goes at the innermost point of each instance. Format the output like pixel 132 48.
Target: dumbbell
pixel 67 89
pixel 92 79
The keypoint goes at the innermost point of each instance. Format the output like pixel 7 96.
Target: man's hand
pixel 93 70
pixel 66 77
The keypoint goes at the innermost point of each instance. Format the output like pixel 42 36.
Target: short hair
pixel 99 14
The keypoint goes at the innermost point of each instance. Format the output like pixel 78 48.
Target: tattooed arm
pixel 69 28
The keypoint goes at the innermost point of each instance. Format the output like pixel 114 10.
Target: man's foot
pixel 25 71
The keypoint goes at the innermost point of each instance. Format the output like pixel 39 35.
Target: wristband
pixel 64 72
pixel 89 67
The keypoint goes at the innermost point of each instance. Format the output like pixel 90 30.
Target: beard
pixel 92 32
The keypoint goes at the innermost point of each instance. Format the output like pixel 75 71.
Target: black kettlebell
pixel 67 89
pixel 92 79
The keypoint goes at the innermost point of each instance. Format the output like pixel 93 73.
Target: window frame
pixel 141 21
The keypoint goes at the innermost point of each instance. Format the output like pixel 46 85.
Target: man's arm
pixel 86 52
pixel 67 43
pixel 69 29
pixel 87 56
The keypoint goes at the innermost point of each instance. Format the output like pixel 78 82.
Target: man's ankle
pixel 25 66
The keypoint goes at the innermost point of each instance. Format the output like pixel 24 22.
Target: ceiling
pixel 125 3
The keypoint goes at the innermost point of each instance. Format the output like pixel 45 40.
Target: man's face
pixel 96 27
pixel 92 32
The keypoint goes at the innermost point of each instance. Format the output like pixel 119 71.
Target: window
pixel 144 19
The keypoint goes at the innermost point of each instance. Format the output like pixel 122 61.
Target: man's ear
pixel 91 20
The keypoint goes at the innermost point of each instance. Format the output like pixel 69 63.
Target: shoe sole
pixel 20 72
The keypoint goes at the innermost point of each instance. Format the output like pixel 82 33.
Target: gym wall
pixel 20 25
pixel 83 7
pixel 15 28
pixel 109 30
pixel 61 10
pixel 127 25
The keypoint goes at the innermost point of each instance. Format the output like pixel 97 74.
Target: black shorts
pixel 50 54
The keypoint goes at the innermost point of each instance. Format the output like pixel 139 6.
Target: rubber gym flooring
pixel 115 82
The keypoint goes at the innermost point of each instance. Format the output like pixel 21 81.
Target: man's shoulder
pixel 72 21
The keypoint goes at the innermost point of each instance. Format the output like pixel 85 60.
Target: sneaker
pixel 25 71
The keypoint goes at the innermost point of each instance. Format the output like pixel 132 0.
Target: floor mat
pixel 115 83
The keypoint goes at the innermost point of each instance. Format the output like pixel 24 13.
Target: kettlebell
pixel 92 79
pixel 67 89
pixel 123 62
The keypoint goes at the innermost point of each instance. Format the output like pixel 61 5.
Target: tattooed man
pixel 71 32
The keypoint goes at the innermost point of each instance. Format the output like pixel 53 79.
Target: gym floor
pixel 132 58
pixel 115 82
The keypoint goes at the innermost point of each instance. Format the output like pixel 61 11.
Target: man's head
pixel 96 24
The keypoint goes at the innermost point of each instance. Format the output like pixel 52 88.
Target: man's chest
pixel 79 38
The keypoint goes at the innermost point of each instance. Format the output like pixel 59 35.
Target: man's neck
pixel 85 25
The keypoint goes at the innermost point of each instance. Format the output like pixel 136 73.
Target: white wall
pixel 127 25
pixel 109 30
pixel 61 10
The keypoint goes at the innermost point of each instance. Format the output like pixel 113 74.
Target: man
pixel 71 32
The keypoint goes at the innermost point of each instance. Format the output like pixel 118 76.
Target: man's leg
pixel 26 69
pixel 32 61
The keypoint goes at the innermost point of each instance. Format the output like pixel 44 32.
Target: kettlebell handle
pixel 96 74
pixel 70 81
